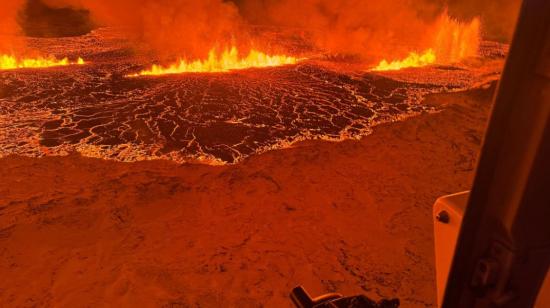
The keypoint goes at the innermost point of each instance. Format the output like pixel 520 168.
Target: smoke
pixel 345 26
pixel 184 27
pixel 367 28
pixel 190 28
pixel 9 28
pixel 370 29
pixel 498 16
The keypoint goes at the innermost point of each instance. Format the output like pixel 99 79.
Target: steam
pixel 373 29
pixel 9 28
pixel 184 27
pixel 368 29
pixel 497 16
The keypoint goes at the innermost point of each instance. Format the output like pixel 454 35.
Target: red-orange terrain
pixel 87 220
pixel 100 110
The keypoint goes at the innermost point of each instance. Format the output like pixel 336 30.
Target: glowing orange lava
pixel 413 60
pixel 455 40
pixel 452 42
pixel 8 62
pixel 215 63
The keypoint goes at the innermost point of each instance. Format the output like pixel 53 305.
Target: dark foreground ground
pixel 351 217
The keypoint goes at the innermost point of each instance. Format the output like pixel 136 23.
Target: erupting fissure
pixel 8 62
pixel 453 41
pixel 413 60
pixel 216 63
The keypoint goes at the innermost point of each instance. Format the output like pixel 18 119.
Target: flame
pixel 215 63
pixel 413 60
pixel 453 41
pixel 8 62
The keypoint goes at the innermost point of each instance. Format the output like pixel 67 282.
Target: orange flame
pixel 413 60
pixel 215 63
pixel 453 42
pixel 8 62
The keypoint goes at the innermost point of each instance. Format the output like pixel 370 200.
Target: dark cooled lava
pixel 213 118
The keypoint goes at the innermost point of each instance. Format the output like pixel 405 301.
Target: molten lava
pixel 453 41
pixel 413 60
pixel 8 62
pixel 215 63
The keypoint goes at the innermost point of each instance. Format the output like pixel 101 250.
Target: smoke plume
pixel 184 27
pixel 9 27
pixel 497 16
pixel 370 29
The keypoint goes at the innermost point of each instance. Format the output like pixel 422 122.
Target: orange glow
pixel 215 63
pixel 453 41
pixel 413 60
pixel 8 62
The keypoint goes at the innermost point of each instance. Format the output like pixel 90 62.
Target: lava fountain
pixel 227 61
pixel 8 62
pixel 413 60
pixel 453 41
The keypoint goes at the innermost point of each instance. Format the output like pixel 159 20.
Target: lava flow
pixel 453 41
pixel 216 63
pixel 413 60
pixel 8 62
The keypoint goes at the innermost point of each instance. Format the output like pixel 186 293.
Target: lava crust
pixel 213 118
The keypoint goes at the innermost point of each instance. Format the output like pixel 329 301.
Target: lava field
pixel 212 118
